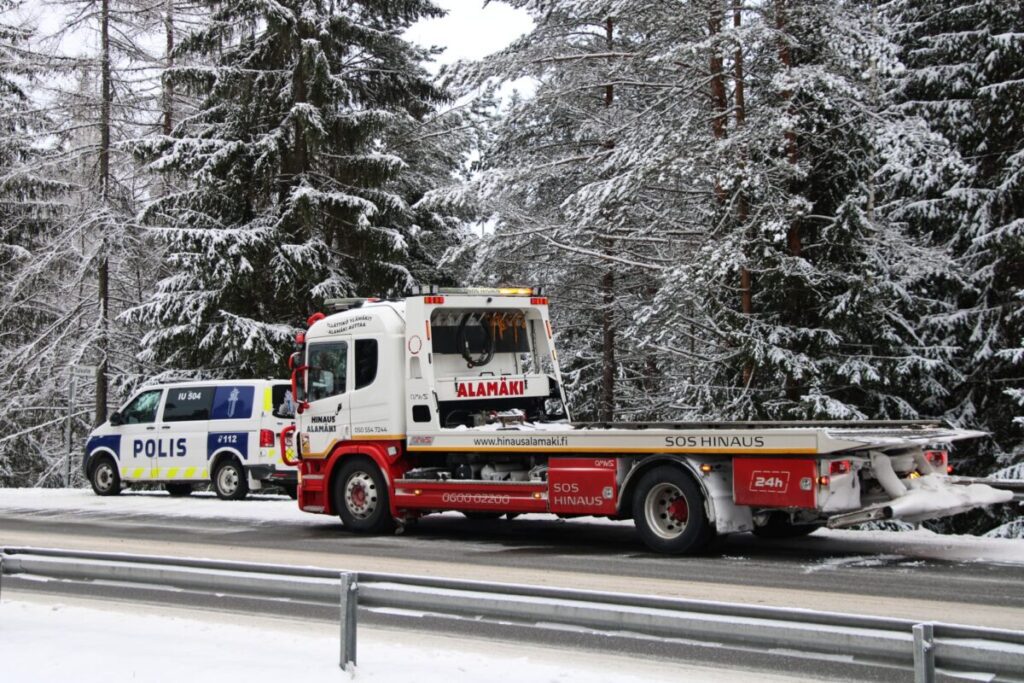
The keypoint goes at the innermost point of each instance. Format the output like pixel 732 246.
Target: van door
pixel 182 453
pixel 232 427
pixel 138 433
pixel 327 386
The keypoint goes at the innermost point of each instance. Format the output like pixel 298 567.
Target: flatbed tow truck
pixel 453 400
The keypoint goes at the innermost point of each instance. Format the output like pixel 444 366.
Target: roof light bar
pixel 431 290
pixel 338 305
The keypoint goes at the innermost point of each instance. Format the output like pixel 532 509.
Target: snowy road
pixel 915 575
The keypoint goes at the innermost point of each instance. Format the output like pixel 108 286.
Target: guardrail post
pixel 349 605
pixel 924 653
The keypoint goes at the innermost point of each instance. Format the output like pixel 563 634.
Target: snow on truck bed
pixel 264 509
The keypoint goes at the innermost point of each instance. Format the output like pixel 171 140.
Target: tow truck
pixel 453 400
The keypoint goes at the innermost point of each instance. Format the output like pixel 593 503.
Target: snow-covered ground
pixel 918 543
pixel 46 639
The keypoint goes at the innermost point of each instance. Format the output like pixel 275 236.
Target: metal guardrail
pixel 882 640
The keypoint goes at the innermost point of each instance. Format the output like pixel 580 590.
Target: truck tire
pixel 177 490
pixel 104 477
pixel 229 480
pixel 361 497
pixel 292 490
pixel 668 510
pixel 779 526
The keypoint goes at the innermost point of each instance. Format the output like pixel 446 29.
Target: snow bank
pixel 57 642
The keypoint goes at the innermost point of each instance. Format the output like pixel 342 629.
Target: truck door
pixel 138 428
pixel 328 379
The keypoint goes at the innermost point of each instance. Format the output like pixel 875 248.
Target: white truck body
pixel 453 401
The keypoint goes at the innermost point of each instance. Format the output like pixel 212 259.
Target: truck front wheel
pixel 361 498
pixel 668 510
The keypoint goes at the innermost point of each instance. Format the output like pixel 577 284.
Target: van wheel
pixel 668 510
pixel 104 477
pixel 361 498
pixel 229 481
pixel 177 490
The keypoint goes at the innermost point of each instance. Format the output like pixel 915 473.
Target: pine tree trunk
pixel 168 94
pixel 718 99
pixel 607 402
pixel 607 410
pixel 743 207
pixel 792 151
pixel 103 269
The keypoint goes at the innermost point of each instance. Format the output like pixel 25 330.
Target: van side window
pixel 143 409
pixel 328 370
pixel 188 403
pixel 366 362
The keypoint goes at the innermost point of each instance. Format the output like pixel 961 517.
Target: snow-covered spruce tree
pixel 294 176
pixel 809 229
pixel 965 77
pixel 78 257
pixel 29 209
pixel 582 183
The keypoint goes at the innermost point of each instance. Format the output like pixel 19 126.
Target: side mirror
pixel 116 419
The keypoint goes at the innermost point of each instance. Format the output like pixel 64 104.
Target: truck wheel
pixel 104 477
pixel 361 498
pixel 229 481
pixel 178 490
pixel 780 526
pixel 292 490
pixel 668 510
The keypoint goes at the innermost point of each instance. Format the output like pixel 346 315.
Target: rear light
pixel 539 301
pixel 937 459
pixel 949 469
pixel 824 480
pixel 839 467
pixel 266 438
pixel 435 300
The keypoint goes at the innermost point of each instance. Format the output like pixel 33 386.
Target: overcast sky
pixel 471 30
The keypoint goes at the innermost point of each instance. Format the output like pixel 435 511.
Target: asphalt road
pixel 815 572
pixel 825 573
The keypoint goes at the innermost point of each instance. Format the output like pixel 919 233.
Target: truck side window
pixel 143 409
pixel 188 403
pixel 366 362
pixel 328 370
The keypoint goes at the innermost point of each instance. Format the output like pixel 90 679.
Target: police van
pixel 186 433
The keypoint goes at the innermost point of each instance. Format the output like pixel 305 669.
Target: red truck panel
pixel 473 495
pixel 775 482
pixel 582 486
